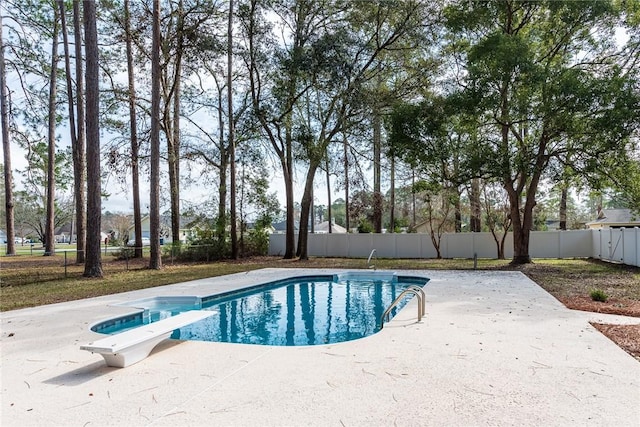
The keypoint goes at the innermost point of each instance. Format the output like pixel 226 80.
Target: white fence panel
pixel 637 250
pixel 457 245
pixel 596 238
pixel 317 246
pixel 384 244
pixel 409 246
pixel 618 245
pixel 485 245
pixel 360 245
pixel 277 244
pixel 544 244
pixel 629 244
pixel 575 243
pixel 428 249
pixel 603 241
pixel 468 245
pixel 338 245
pixel 560 244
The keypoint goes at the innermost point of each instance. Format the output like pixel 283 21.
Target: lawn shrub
pixel 599 295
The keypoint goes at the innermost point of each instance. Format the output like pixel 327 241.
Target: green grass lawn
pixel 27 281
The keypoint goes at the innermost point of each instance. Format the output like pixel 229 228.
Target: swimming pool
pixel 303 310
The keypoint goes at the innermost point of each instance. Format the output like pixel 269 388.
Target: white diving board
pixel 129 347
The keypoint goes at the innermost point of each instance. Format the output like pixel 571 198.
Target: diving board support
pixel 129 347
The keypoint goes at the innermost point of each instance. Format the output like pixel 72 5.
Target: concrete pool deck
pixel 493 349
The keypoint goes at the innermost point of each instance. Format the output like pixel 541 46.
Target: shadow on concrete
pixel 98 369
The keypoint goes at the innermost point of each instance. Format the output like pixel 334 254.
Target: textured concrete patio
pixel 493 349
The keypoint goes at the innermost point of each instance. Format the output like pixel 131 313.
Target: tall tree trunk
pixel 93 261
pixel 49 238
pixel 392 209
pixel 563 207
pixel 328 194
pixel 283 148
pixel 232 143
pixel 312 208
pixel 290 243
pixel 221 223
pixel 305 211
pixel 173 150
pixel 79 152
pixel 413 199
pixel 6 150
pixel 521 233
pixel 522 218
pixel 133 130
pixel 67 67
pixel 155 259
pixel 476 221
pixel 287 169
pixel 377 172
pixel 346 181
pixel 457 209
pixel 173 131
pixel 457 204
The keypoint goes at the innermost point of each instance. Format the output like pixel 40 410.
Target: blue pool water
pixel 306 310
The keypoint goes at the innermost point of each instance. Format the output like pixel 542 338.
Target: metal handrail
pixel 398 299
pixel 424 297
pixel 369 260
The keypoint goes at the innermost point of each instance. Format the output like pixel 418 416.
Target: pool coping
pixel 494 348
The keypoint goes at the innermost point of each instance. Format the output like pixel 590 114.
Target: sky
pixel 120 200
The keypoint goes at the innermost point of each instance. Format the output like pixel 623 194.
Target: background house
pixel 323 228
pixel 614 218
pixel 63 233
pixel 281 227
pixel 188 228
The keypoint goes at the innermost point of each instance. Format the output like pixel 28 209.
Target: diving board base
pixel 129 347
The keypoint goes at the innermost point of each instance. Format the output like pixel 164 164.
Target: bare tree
pixel 49 243
pixel 6 146
pixel 79 151
pixel 232 144
pixel 497 214
pixel 133 129
pixel 155 260
pixel 171 122
pixel 69 82
pixel 93 261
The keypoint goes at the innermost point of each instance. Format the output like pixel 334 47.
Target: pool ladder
pixel 412 289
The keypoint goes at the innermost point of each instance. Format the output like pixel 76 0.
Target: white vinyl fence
pixel 616 245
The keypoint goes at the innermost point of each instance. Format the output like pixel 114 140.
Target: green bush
pixel 599 295
pixel 256 243
pixel 124 253
pixel 365 226
pixel 204 251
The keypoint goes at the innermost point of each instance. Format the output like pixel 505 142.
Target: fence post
pixel 637 231
pixel 65 264
pixel 600 244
